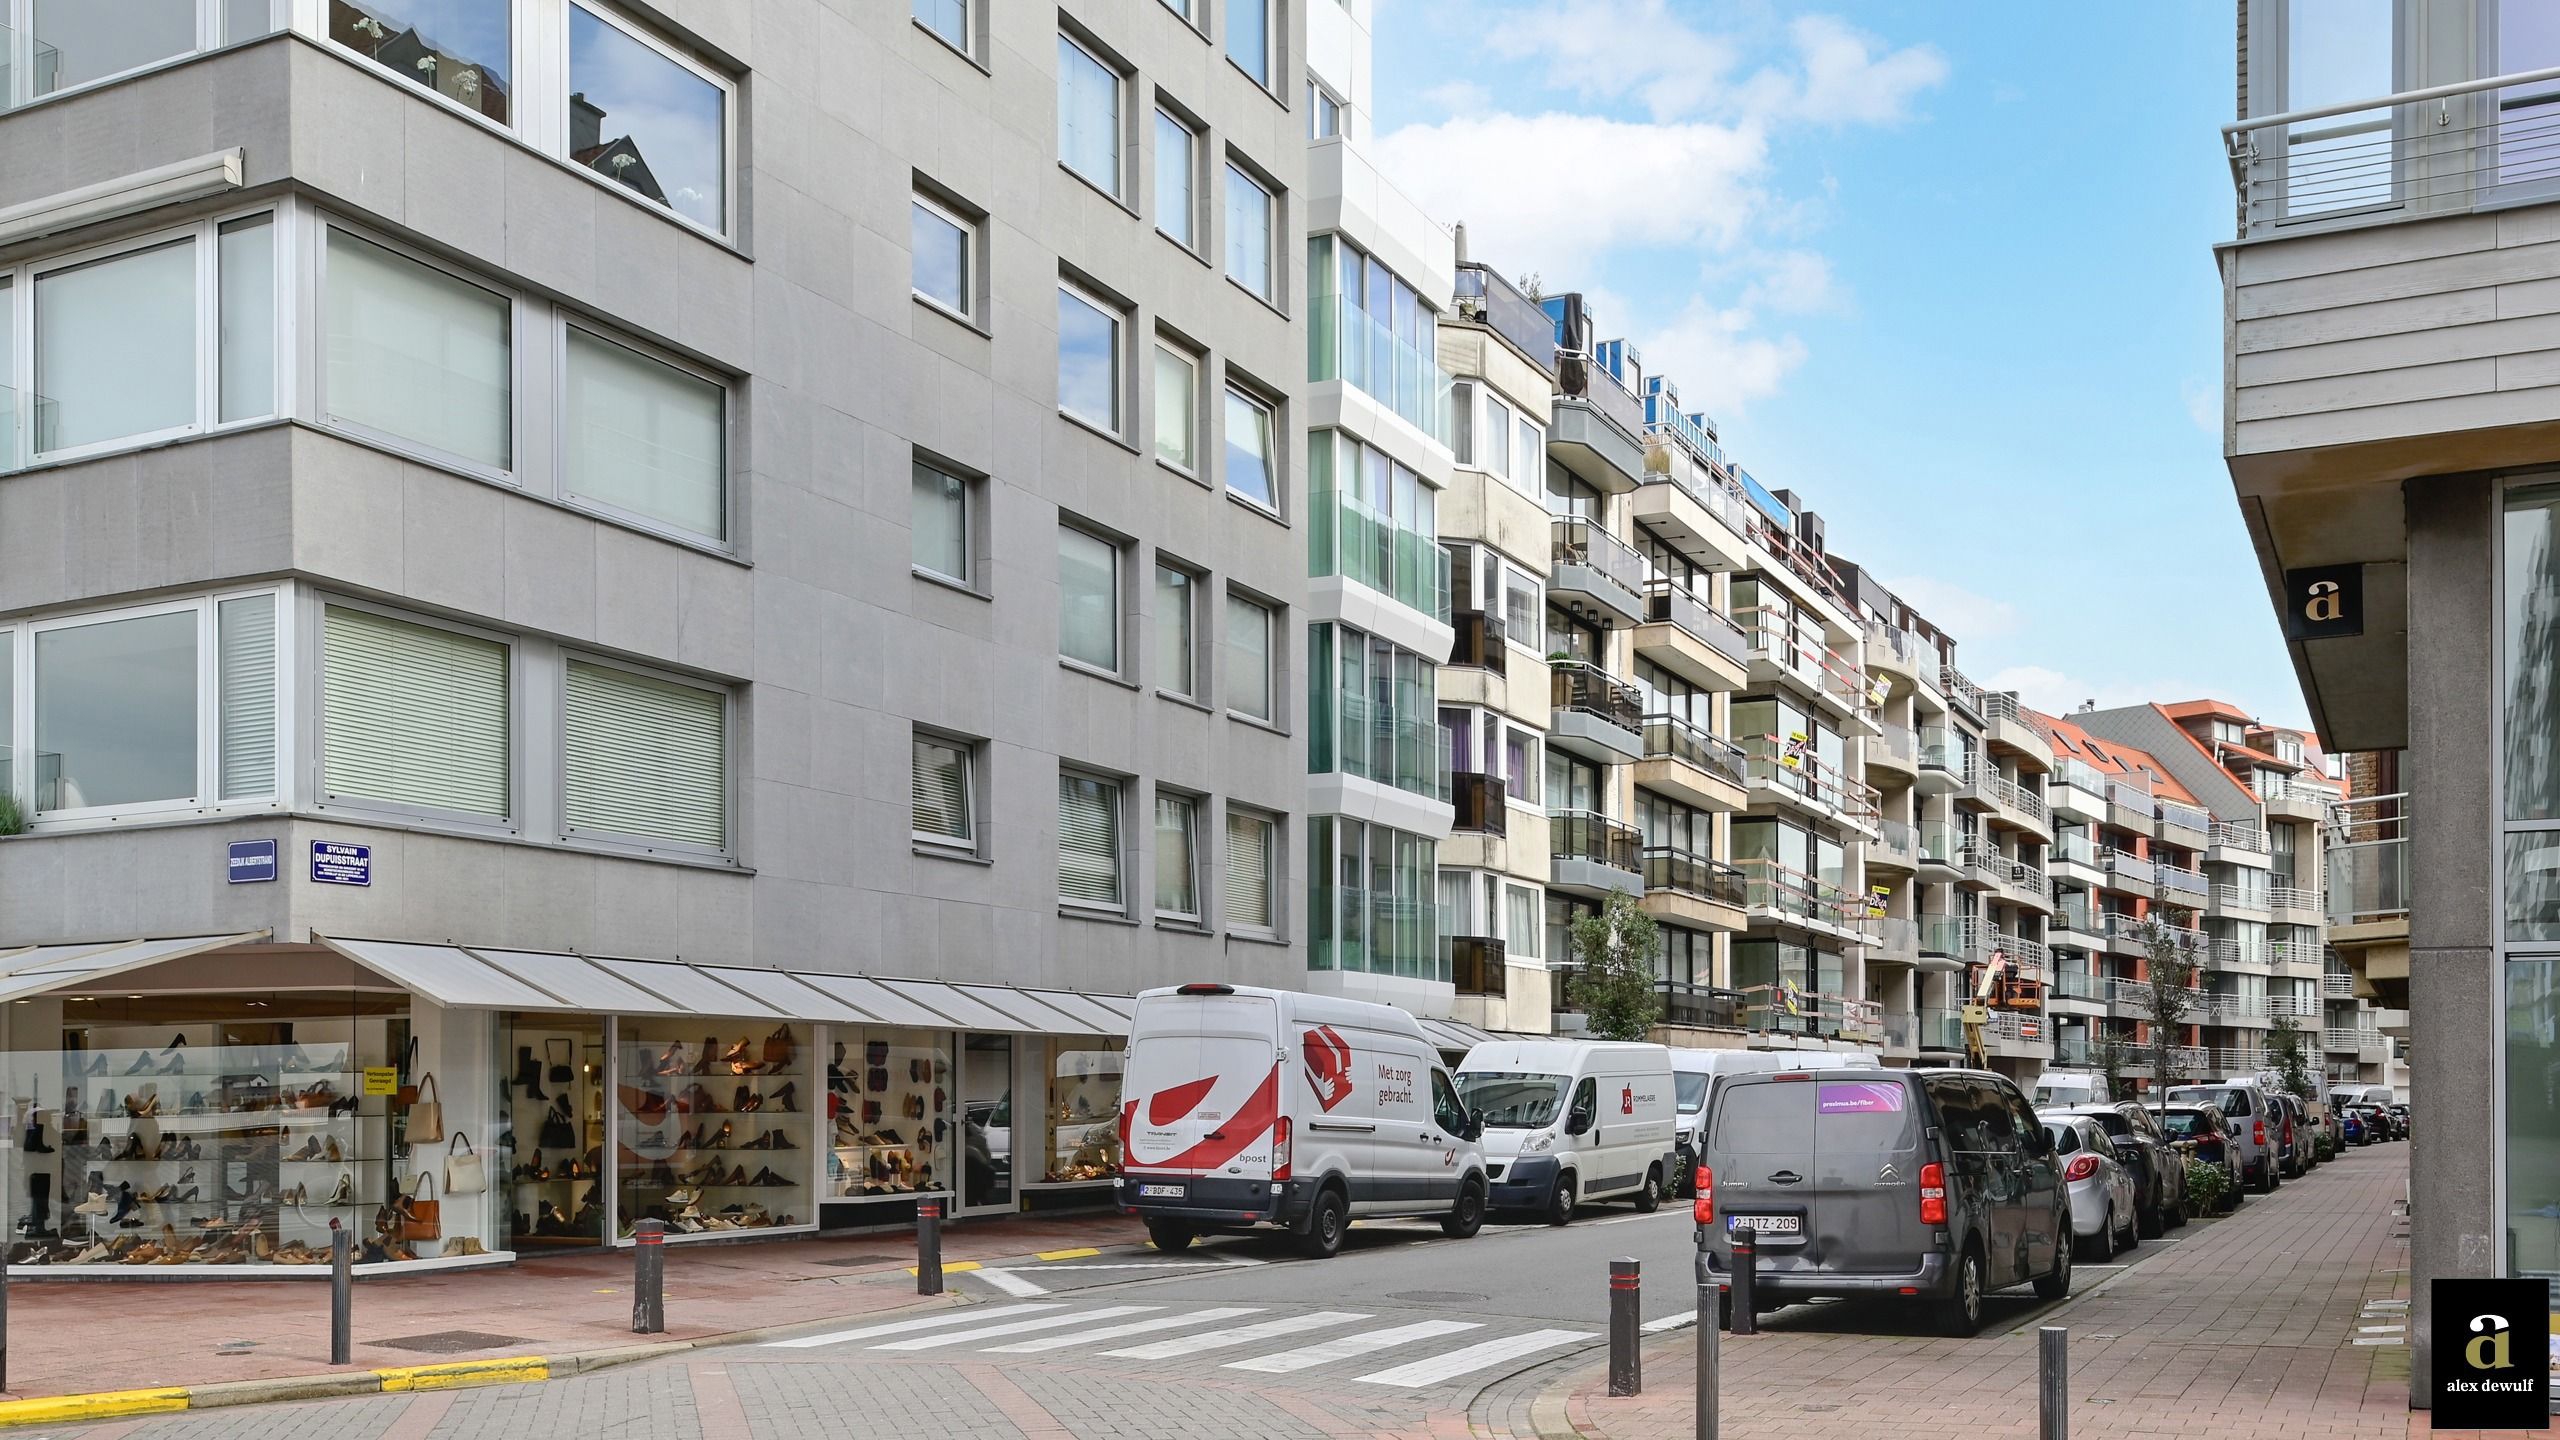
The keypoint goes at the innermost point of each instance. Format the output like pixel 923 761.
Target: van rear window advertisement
pixel 1859 1099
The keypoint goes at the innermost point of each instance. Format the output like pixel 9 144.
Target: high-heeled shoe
pixel 786 1099
pixel 141 1065
pixel 126 1216
pixel 719 1138
pixel 648 1105
pixel 673 1060
pixel 97 1064
pixel 310 1150
pixel 747 1101
pixel 345 1194
pixel 344 1105
pixel 331 1153
pixel 708 1056
pixel 742 1058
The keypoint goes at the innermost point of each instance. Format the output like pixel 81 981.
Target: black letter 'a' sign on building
pixel 2492 1366
pixel 2324 602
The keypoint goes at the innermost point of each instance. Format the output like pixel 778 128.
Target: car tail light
pixel 2081 1167
pixel 1279 1148
pixel 2257 1132
pixel 1933 1194
pixel 1128 1121
pixel 1704 1207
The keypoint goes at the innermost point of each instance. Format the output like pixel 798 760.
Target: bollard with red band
pixel 649 1278
pixel 1745 1244
pixel 1626 1322
pixel 928 1247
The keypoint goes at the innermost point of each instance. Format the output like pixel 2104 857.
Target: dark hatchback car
pixel 1932 1186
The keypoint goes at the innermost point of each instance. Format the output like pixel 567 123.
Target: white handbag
pixel 466 1171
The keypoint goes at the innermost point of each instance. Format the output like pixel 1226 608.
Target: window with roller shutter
pixel 943 813
pixel 1089 841
pixel 247 705
pixel 1251 844
pixel 644 758
pixel 414 715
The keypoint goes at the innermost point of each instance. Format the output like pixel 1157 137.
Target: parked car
pixel 2159 1172
pixel 2300 1136
pixel 2400 1113
pixel 1247 1109
pixel 2208 1132
pixel 2063 1089
pixel 2256 1129
pixel 2357 1133
pixel 2099 1186
pixel 2392 1129
pixel 1569 1121
pixel 1937 1185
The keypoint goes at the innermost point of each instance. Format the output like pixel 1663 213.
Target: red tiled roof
pixel 2109 757
pixel 2216 709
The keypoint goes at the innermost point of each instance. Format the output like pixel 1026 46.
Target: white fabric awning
pixel 34 969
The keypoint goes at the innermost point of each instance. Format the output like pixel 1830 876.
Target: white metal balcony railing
pixel 1960 690
pixel 2333 983
pixel 2441 149
pixel 2227 951
pixel 2300 1007
pixel 2239 835
pixel 2012 795
pixel 2292 897
pixel 2239 897
pixel 2185 816
pixel 2339 1037
pixel 2185 882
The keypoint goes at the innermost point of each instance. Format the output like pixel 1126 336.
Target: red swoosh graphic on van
pixel 1166 1106
pixel 1251 1122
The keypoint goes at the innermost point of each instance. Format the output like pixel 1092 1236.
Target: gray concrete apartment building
pixel 671 498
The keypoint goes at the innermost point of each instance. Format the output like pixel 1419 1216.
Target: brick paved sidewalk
pixel 2246 1328
pixel 73 1336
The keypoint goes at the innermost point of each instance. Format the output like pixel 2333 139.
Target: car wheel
pixel 2147 1223
pixel 1463 1222
pixel 2099 1248
pixel 1560 1200
pixel 1649 1199
pixel 2129 1237
pixel 2178 1213
pixel 1171 1236
pixel 2267 1178
pixel 2056 1284
pixel 1322 1238
pixel 1960 1314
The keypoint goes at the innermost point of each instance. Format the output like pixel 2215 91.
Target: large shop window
pixel 414 716
pixel 644 759
pixel 124 703
pixel 419 355
pixel 1089 841
pixel 645 436
pixel 890 1092
pixel 710 1126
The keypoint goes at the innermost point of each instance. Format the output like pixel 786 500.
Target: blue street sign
pixel 252 861
pixel 335 863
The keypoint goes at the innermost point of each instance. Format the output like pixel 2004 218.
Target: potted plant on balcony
pixel 1615 951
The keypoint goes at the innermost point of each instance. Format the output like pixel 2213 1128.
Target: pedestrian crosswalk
pixel 1262 1343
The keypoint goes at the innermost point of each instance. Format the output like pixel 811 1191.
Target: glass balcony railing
pixel 2190 883
pixel 1941 1029
pixel 2369 860
pixel 1940 843
pixel 1353 735
pixel 2075 847
pixel 1481 806
pixel 2185 817
pixel 1665 601
pixel 1578 685
pixel 1484 295
pixel 2079 775
pixel 1671 737
pixel 1479 642
pixel 1589 545
pixel 2079 985
pixel 1351 538
pixel 1584 835
pixel 1699 1006
pixel 1347 343
pixel 1942 935
pixel 1939 750
pixel 1901 1031
pixel 1696 876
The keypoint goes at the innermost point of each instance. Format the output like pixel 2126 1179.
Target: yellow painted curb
pixel 1067 1254
pixel 954 1268
pixel 512 1370
pixel 105 1405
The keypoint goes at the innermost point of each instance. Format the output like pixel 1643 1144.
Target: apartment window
pixel 1177 858
pixel 1251 687
pixel 948 19
pixel 1088 116
pixel 945 812
pixel 1250 213
pixel 938 522
pixel 1520 765
pixel 245 699
pixel 1088 599
pixel 646 120
pixel 1088 841
pixel 8 714
pixel 414 716
pixel 462 50
pixel 80 41
pixel 1497 437
pixel 417 355
pixel 643 759
pixel 246 355
pixel 1250 461
pixel 1249 38
pixel 1177 643
pixel 1251 849
pixel 1462 422
pixel 1521 911
pixel 1088 358
pixel 1177 409
pixel 115 349
pixel 1324 113
pixel 945 245
pixel 645 436
pixel 1528 454
pixel 1177 165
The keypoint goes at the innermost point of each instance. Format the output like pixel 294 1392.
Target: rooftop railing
pixel 1485 296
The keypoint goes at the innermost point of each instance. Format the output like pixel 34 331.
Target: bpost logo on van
pixel 2492 1354
pixel 1328 1065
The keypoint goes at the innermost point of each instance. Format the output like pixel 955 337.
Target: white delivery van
pixel 1572 1120
pixel 1696 1076
pixel 2064 1089
pixel 1243 1109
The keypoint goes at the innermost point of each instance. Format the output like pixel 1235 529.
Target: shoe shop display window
pixel 1082 1118
pixel 888 1109
pixel 553 1146
pixel 717 1132
pixel 210 1130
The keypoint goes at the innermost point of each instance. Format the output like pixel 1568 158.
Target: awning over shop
pixel 1450 1035
pixel 534 980
pixel 33 969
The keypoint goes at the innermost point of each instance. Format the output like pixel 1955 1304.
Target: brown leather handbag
pixel 421 1213
pixel 777 1048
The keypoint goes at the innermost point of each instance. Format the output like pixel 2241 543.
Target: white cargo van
pixel 1572 1120
pixel 2064 1089
pixel 1696 1076
pixel 1245 1108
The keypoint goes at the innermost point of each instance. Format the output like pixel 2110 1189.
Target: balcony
pixel 1475 965
pixel 2130 807
pixel 2338 985
pixel 1901 652
pixel 2005 729
pixel 2300 959
pixel 1490 300
pixel 1892 748
pixel 1941 1031
pixel 1684 760
pixel 2294 905
pixel 1979 867
pixel 1597 425
pixel 2298 1007
pixel 1789 1010
pixel 1480 641
pixel 2237 1059
pixel 2077 792
pixel 2080 987
pixel 1595 715
pixel 1961 693
pixel 2296 799
pixel 1897 942
pixel 2236 842
pixel 2231 954
pixel 1692 890
pixel 2187 886
pixel 1697 511
pixel 2241 902
pixel 2339 1039
pixel 1941 761
pixel 1692 639
pixel 1901 1034
pixel 1353 539
pixel 2073 1051
pixel 1699 1007
pixel 1787 648
pixel 2130 873
pixel 1481 804
pixel 1775 894
pixel 2184 825
pixel 2369 866
pixel 1592 855
pixel 1786 774
pixel 1597 568
pixel 1941 851
pixel 2076 858
pixel 1969 791
pixel 1896 847
pixel 2076 922
pixel 2029 887
pixel 1387 745
pixel 2016 806
pixel 1347 343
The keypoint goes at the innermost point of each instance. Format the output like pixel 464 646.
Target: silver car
pixel 2101 1189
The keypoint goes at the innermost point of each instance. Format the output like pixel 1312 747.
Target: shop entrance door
pixel 986 1124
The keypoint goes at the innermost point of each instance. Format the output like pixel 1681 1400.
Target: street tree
pixel 2111 1059
pixel 1614 952
pixel 2284 1047
pixel 2174 953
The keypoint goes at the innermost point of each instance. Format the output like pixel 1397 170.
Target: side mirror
pixel 1474 1130
pixel 1577 1122
pixel 2040 1142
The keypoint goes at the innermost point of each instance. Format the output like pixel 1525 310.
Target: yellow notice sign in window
pixel 382 1080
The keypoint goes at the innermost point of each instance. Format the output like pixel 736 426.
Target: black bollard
pixel 342 1295
pixel 1626 1327
pixel 649 1278
pixel 1746 1266
pixel 2053 1382
pixel 928 1247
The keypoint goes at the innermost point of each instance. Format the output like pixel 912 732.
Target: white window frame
pixel 1124 848
pixel 19 17
pixel 566 322
pixel 1120 191
pixel 206 236
pixel 568 86
pixel 613 839
pixel 315 775
pixel 973 842
pixel 1273 224
pixel 519 333
pixel 1320 98
pixel 972 259
pixel 1123 319
pixel 1274 849
pixel 1273 640
pixel 18 722
pixel 1194 362
pixel 1197 917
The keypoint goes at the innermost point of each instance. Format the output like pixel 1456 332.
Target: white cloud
pixel 1955 610
pixel 2204 405
pixel 1718 359
pixel 1618 49
pixel 1845 80
pixel 1459 97
pixel 1795 282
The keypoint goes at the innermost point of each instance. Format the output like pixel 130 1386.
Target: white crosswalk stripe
pixel 1114 1332
pixel 1346 1346
pixel 1018 1286
pixel 1182 1345
pixel 971 1316
pixel 1011 1327
pixel 1440 1369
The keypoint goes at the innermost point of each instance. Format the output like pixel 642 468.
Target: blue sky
pixel 1943 270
